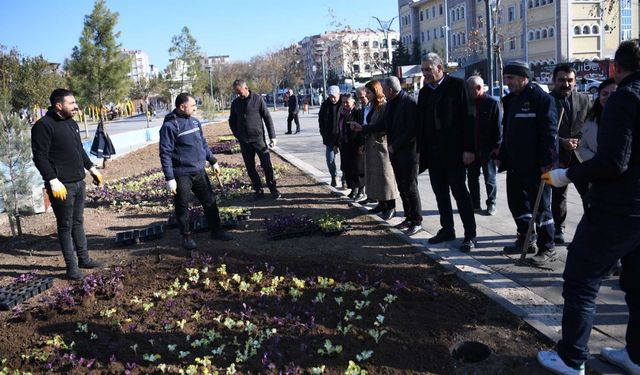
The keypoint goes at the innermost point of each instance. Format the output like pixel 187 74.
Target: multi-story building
pixel 350 54
pixel 139 64
pixel 542 32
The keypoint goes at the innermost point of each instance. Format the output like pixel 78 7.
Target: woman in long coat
pixel 349 143
pixel 379 178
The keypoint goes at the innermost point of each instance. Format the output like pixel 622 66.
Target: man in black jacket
pixel 294 108
pixel 248 116
pixel 574 107
pixel 609 230
pixel 183 156
pixel 328 121
pixel 488 136
pixel 61 160
pixel 400 123
pixel 446 145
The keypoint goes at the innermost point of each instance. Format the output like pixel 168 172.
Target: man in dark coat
pixel 609 230
pixel 183 156
pixel 294 108
pixel 446 145
pixel 400 123
pixel 488 136
pixel 248 111
pixel 61 160
pixel 328 121
pixel 576 106
pixel 529 148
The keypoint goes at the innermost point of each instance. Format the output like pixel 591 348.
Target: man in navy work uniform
pixel 248 113
pixel 59 157
pixel 183 153
pixel 529 148
pixel 609 229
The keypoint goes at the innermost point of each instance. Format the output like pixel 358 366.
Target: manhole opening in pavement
pixel 470 351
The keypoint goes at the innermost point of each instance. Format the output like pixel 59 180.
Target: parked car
pixel 589 85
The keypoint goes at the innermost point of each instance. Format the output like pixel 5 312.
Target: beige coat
pixel 380 181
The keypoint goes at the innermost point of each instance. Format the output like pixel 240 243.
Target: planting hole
pixel 470 351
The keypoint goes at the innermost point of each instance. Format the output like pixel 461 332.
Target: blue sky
pixel 240 29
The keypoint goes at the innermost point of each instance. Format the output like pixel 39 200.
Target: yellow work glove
pixel 97 176
pixel 58 189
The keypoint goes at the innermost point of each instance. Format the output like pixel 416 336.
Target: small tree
pixel 184 47
pixel 34 82
pixel 15 161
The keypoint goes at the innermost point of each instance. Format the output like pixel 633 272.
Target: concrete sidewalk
pixel 535 294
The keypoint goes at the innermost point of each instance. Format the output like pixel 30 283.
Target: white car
pixel 588 84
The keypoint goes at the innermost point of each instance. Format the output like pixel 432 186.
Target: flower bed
pixel 289 225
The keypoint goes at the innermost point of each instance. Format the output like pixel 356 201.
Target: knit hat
pixel 333 90
pixel 518 68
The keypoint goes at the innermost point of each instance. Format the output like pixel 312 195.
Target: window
pixel 462 12
pixel 421 16
pixel 464 39
pixel 595 29
pixel 426 14
pixel 354 44
pixel 453 15
pixel 521 10
pixel 537 34
pixel 458 14
pixel 428 34
pixel 511 14
pixel 530 4
pixel 453 40
pixel 530 35
pixel 544 33
pixel 576 30
pixel 376 44
pixel 376 55
pixel 433 11
pixel 442 33
pixel 422 36
pixel 543 2
pixel 522 42
pixel 435 33
pixel 512 44
pixel 356 68
pixel 537 3
pixel 394 42
pixel 441 9
pixel 550 1
pixel 586 30
pixel 551 32
pixel 367 68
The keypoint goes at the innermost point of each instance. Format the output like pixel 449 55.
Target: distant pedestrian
pixel 446 146
pixel 183 156
pixel 608 231
pixel 61 160
pixel 399 122
pixel 574 107
pixel 102 147
pixel 529 148
pixel 588 145
pixel 488 136
pixel 249 115
pixel 294 108
pixel 328 120
pixel 380 181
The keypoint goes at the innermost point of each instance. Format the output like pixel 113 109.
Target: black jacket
pixel 57 149
pixel 246 119
pixel 488 116
pixel 293 104
pixel 571 127
pixel 530 124
pixel 614 172
pixel 400 125
pixel 102 147
pixel 445 124
pixel 328 121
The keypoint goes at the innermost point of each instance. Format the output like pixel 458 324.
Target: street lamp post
pixel 489 47
pixel 209 68
pixel 320 50
pixel 385 27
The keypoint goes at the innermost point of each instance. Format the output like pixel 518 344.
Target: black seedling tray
pixel 133 237
pixel 13 294
pixel 284 236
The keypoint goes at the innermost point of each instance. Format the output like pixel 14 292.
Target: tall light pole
pixel 320 50
pixel 446 33
pixel 385 27
pixel 488 6
pixel 209 68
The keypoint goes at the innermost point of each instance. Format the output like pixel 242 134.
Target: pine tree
pixel 15 159
pixel 97 68
pixel 416 54
pixel 184 48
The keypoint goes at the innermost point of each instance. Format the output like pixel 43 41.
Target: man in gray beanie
pixel 328 120
pixel 529 148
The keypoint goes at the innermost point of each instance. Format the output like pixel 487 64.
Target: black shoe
pixel 543 257
pixel 516 248
pixel 275 194
pixel 491 209
pixel 442 236
pixel 352 194
pixel 477 209
pixel 334 183
pixel 405 224
pixel 376 209
pixel 344 185
pixel 468 244
pixel 297 131
pixel 558 238
pixel 221 235
pixel 388 214
pixel 288 133
pixel 90 263
pixel 257 195
pixel 413 229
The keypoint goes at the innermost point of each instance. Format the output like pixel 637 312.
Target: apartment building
pixel 140 67
pixel 542 32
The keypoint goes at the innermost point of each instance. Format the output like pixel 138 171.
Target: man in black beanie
pixel 529 148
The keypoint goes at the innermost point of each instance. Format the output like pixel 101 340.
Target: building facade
pixel 140 67
pixel 541 32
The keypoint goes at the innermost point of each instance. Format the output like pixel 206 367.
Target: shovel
pixel 536 205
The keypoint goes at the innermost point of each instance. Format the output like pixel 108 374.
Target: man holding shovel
pixel 529 149
pixel 183 154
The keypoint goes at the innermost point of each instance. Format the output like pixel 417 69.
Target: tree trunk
pixel 11 224
pixel 18 224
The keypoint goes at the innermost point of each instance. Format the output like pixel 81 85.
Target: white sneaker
pixel 620 358
pixel 551 361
